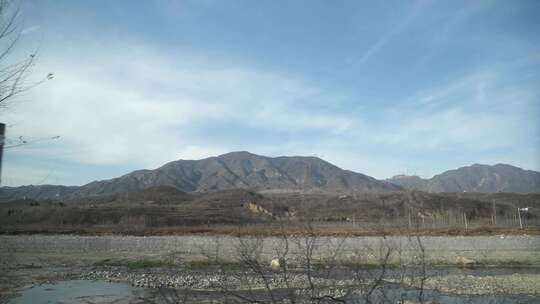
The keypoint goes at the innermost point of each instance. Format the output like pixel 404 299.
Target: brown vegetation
pixel 169 211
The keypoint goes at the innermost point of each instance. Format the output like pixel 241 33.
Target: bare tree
pixel 305 267
pixel 13 74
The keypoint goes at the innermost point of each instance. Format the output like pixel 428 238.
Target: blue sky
pixel 378 87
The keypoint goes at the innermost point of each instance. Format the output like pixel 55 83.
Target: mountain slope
pixel 412 182
pixel 230 171
pixel 475 178
pixel 243 170
pixel 41 192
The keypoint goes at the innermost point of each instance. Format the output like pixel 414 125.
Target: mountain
pixel 41 192
pixel 409 182
pixel 228 171
pixel 283 174
pixel 475 178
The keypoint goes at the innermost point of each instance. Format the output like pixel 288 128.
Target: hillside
pixel 40 192
pixel 166 208
pixel 475 178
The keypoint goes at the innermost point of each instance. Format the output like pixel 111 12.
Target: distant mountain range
pixel 475 178
pixel 283 174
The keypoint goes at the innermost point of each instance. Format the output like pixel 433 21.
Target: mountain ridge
pixel 227 171
pixel 250 171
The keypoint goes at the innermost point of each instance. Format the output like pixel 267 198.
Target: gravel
pixel 443 250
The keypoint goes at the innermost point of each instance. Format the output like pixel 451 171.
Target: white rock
pixel 275 265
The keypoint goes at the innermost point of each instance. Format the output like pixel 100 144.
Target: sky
pixel 378 87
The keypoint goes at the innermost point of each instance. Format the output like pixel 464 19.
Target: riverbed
pixel 504 266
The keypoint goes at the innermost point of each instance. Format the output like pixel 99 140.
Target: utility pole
pixel 410 222
pixel 494 215
pixel 2 140
pixel 519 215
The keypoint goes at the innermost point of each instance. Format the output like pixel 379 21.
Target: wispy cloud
pixel 30 29
pixel 397 28
pixel 479 112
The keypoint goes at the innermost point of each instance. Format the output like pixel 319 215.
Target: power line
pixel 2 139
pixel 22 141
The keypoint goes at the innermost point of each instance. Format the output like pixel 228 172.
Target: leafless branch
pixel 13 75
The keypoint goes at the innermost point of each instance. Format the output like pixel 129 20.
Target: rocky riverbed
pixel 174 263
pixel 517 283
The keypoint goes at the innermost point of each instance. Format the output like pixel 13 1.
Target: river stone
pixel 465 261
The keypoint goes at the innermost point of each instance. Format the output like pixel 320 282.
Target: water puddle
pixel 81 292
pixel 394 294
pixel 101 292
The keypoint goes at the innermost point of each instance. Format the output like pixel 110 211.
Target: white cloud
pixel 139 106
